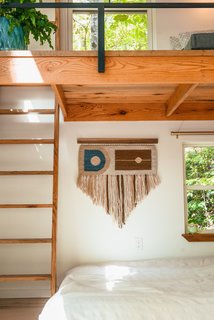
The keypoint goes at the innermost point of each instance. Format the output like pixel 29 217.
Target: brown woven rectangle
pixel 133 159
pixel 117 160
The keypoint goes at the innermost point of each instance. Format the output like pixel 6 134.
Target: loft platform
pixel 137 85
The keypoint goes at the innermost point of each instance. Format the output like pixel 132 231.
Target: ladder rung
pixel 26 141
pixel 15 173
pixel 25 241
pixel 20 277
pixel 21 112
pixel 14 206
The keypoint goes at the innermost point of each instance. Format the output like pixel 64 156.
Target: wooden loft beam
pixel 179 95
pixel 201 110
pixel 61 68
pixel 60 98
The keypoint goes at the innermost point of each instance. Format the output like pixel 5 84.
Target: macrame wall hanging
pixel 117 175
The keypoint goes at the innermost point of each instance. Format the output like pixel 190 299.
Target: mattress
pixel 163 289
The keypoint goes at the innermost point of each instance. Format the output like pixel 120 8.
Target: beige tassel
pixel 118 195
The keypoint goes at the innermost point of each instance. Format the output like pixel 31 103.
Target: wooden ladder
pixel 52 241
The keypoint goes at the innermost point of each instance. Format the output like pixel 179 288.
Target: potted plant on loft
pixel 17 24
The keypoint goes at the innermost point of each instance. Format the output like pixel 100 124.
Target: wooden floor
pixel 21 309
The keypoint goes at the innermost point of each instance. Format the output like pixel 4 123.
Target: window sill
pixel 199 237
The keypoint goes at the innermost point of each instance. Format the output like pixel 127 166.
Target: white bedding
pixel 164 289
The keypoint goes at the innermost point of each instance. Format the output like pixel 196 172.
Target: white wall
pixel 170 22
pixel 85 232
pixel 159 220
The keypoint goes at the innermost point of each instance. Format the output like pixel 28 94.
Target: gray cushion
pixel 200 41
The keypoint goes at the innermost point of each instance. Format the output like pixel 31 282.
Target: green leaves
pixel 120 18
pixel 201 208
pixel 200 178
pixel 32 21
pixel 126 32
pixel 199 165
pixel 122 31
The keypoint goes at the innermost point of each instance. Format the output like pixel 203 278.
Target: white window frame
pixel 195 187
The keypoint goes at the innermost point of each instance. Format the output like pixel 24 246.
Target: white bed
pixel 164 289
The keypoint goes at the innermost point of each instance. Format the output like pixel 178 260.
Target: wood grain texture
pixel 24 277
pixel 179 95
pixel 22 206
pixel 132 69
pixel 26 141
pixel 139 112
pixel 117 141
pixel 199 237
pixel 117 93
pixel 137 85
pixel 55 201
pixel 202 92
pixel 140 89
pixel 18 303
pixel 25 241
pixel 109 53
pixel 25 173
pixel 60 98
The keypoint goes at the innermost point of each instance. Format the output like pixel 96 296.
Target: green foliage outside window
pixel 123 31
pixel 199 163
pixel 126 32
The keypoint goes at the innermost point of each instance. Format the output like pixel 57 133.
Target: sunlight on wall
pixel 32 117
pixel 25 70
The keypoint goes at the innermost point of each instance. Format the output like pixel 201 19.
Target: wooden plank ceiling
pixel 136 102
pixel 137 86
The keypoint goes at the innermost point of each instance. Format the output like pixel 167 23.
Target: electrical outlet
pixel 139 243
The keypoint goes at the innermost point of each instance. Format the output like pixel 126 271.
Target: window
pixel 123 30
pixel 199 188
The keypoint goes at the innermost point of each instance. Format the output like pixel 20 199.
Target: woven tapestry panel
pixel 117 177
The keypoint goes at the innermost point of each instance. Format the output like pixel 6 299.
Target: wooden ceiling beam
pixel 60 98
pixel 121 69
pixel 179 95
pixel 139 112
pixel 133 89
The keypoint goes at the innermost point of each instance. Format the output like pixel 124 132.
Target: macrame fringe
pixel 118 194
